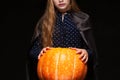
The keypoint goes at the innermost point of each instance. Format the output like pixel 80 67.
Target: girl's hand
pixel 43 51
pixel 83 54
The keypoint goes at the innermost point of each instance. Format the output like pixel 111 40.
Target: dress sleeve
pixel 35 49
pixel 32 59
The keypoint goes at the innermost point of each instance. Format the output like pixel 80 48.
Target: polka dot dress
pixel 66 33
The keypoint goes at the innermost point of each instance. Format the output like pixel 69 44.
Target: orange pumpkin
pixel 61 64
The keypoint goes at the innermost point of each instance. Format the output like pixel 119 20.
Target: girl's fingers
pixel 86 60
pixel 73 48
pixel 43 51
pixel 83 58
pixel 79 51
pixel 81 55
pixel 47 48
pixel 40 55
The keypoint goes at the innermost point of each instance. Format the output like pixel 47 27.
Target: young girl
pixel 63 24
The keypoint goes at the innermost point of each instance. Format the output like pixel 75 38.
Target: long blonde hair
pixel 46 23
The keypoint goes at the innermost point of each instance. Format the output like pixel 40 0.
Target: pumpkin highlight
pixel 61 64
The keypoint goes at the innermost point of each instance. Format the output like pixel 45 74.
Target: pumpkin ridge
pixel 56 71
pixel 42 73
pixel 73 68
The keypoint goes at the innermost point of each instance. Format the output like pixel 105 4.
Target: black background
pixel 20 17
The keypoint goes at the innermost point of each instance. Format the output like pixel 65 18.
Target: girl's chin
pixel 63 9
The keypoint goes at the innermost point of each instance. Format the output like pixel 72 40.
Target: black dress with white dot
pixel 65 35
